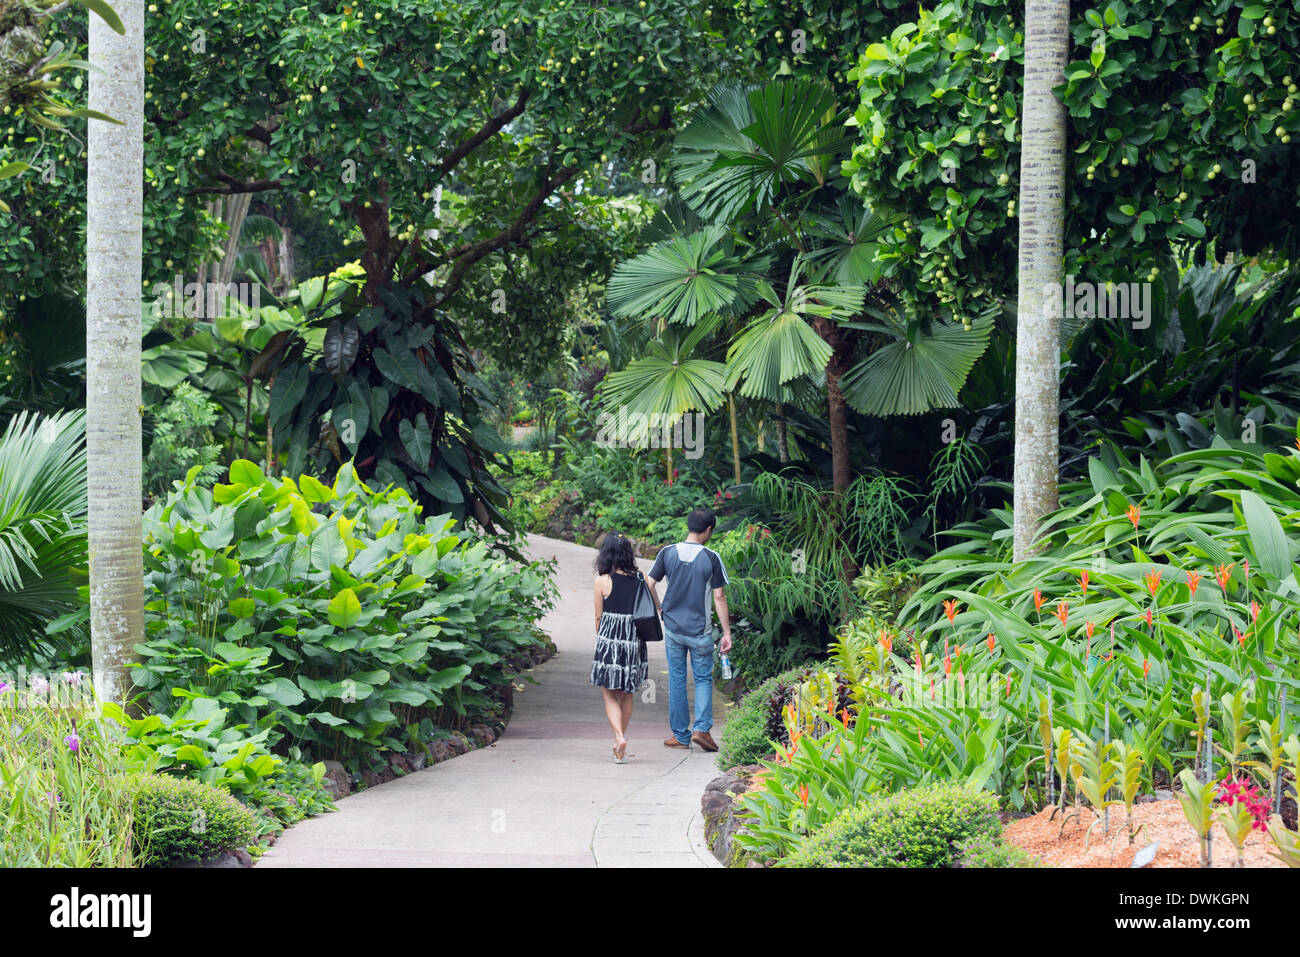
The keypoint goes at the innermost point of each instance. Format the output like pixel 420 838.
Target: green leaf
pixel 106 13
pixel 1267 539
pixel 242 607
pixel 417 439
pixel 344 609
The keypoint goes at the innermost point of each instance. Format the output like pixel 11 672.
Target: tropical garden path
pixel 548 793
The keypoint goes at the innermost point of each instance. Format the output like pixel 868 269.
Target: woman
pixel 620 665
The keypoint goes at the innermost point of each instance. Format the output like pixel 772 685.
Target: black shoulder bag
pixel 644 616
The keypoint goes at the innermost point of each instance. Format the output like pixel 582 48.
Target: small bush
pixel 756 721
pixel 987 850
pixel 179 820
pixel 920 827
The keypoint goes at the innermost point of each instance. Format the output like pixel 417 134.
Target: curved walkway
pixel 548 793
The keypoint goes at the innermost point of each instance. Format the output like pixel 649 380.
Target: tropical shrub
pixel 921 827
pixel 747 737
pixel 1152 621
pixel 182 438
pixel 42 529
pixel 66 797
pixel 989 850
pixel 332 617
pixel 195 740
pixel 178 820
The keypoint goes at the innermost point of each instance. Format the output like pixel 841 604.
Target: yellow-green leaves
pixel 314 491
pixel 344 609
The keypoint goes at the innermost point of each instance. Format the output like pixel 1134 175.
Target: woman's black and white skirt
pixel 621 662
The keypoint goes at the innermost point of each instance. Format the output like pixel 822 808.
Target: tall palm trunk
pixel 1042 228
pixel 114 194
pixel 841 340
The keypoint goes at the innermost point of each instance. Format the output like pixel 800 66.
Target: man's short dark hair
pixel 701 520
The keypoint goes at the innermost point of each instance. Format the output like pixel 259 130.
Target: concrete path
pixel 548 793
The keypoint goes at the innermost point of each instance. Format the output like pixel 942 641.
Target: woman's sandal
pixel 620 754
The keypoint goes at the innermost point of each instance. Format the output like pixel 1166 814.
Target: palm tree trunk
pixel 114 195
pixel 668 460
pixel 782 440
pixel 1042 227
pixel 841 340
pixel 735 436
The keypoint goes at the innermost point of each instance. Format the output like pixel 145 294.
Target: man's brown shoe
pixel 674 743
pixel 704 740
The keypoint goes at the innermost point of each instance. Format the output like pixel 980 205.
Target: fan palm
pixel 42 524
pixel 668 381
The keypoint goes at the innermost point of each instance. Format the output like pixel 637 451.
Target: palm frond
pixel 909 377
pixel 681 279
pixel 42 524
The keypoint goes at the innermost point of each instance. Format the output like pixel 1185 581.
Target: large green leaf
pixel 908 377
pixel 344 609
pixel 681 280
pixel 1267 539
pixel 417 439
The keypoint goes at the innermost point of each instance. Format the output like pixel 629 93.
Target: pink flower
pixel 73 742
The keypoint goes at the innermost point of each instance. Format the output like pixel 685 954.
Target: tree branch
pixel 489 129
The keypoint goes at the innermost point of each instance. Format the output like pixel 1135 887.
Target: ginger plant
pixel 1093 769
pixel 1128 760
pixel 1197 800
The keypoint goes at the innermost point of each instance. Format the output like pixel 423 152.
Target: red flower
pixel 1083 581
pixel 1147 616
pixel 1193 579
pixel 728 495
pixel 917 661
pixel 950 609
pixel 1008 685
pixel 1254 611
pixel 1223 574
pixel 1038 600
pixel 947 664
pixel 991 640
pixel 803 794
pixel 1134 514
pixel 1062 612
pixel 1146 669
pixel 1152 579
pixel 632 499
pixel 1240 635
pixel 1245 567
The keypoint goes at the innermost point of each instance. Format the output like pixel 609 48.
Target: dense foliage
pixel 334 618
pixel 921 827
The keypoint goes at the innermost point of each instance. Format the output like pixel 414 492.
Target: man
pixel 692 571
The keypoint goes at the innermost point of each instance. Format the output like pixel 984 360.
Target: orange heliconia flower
pixel 991 640
pixel 947 665
pixel 887 640
pixel 950 609
pixel 1241 636
pixel 1254 611
pixel 1083 581
pixel 1062 612
pixel 1245 567
pixel 1089 627
pixel 1134 514
pixel 1147 616
pixel 1193 580
pixel 844 718
pixel 1152 578
pixel 1146 669
pixel 803 794
pixel 1222 574
pixel 1038 600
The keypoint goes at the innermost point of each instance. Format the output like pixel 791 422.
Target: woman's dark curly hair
pixel 616 552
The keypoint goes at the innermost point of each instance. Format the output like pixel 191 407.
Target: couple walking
pixel 621 665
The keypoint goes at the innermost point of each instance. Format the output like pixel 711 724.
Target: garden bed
pixel 1165 825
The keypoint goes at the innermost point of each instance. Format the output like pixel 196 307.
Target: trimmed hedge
pixel 919 827
pixel 178 820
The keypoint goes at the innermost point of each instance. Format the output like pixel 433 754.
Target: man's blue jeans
pixel 700 648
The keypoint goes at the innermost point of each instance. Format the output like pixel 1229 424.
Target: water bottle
pixel 726 668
